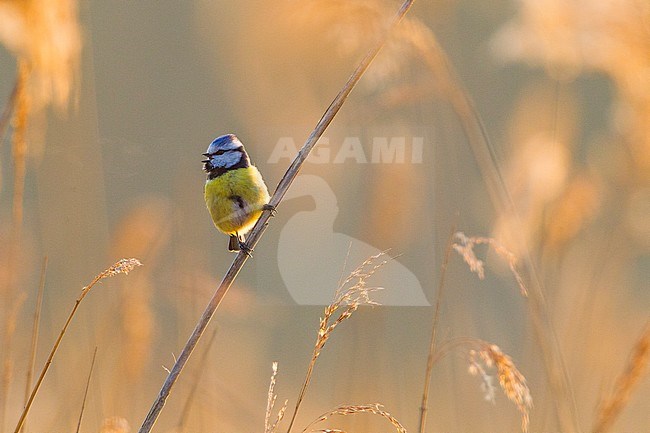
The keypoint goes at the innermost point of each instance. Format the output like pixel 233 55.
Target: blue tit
pixel 235 193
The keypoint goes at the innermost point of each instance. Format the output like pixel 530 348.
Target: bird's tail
pixel 233 242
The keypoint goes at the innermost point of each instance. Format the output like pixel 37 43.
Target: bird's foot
pixel 243 246
pixel 270 208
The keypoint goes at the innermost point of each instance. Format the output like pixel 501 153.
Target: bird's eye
pixel 219 152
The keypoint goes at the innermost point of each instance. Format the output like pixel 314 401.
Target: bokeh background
pixel 121 98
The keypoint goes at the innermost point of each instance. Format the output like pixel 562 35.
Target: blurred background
pixel 100 159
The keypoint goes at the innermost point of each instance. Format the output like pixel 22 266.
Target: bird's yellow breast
pixel 235 199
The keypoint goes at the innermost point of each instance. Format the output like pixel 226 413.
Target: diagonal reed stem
pixel 424 407
pixel 637 366
pixel 262 223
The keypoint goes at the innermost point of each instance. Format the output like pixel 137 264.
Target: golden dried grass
pixel 346 410
pixel 271 426
pixel 122 266
pixel 351 293
pixel 512 382
pixel 46 36
pixel 464 245
pixel 611 407
pixel 483 355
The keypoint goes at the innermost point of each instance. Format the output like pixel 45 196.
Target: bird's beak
pixel 205 154
pixel 205 161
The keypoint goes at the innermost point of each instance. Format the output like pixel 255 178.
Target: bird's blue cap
pixel 225 142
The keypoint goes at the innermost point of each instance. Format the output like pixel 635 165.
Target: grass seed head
pixel 512 382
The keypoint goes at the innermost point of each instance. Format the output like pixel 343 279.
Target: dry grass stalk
pixel 46 35
pixel 122 266
pixel 350 295
pixel 559 36
pixel 434 330
pixel 425 42
pixel 271 427
pixel 83 403
pixel 465 247
pixel 483 355
pixel 424 46
pixel 260 226
pixel 611 407
pixel 329 430
pixel 449 85
pixel 345 410
pixel 35 329
pixel 512 382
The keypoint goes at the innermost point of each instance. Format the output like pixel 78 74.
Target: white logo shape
pixel 311 255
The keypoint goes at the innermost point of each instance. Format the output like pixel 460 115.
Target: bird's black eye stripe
pixel 222 151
